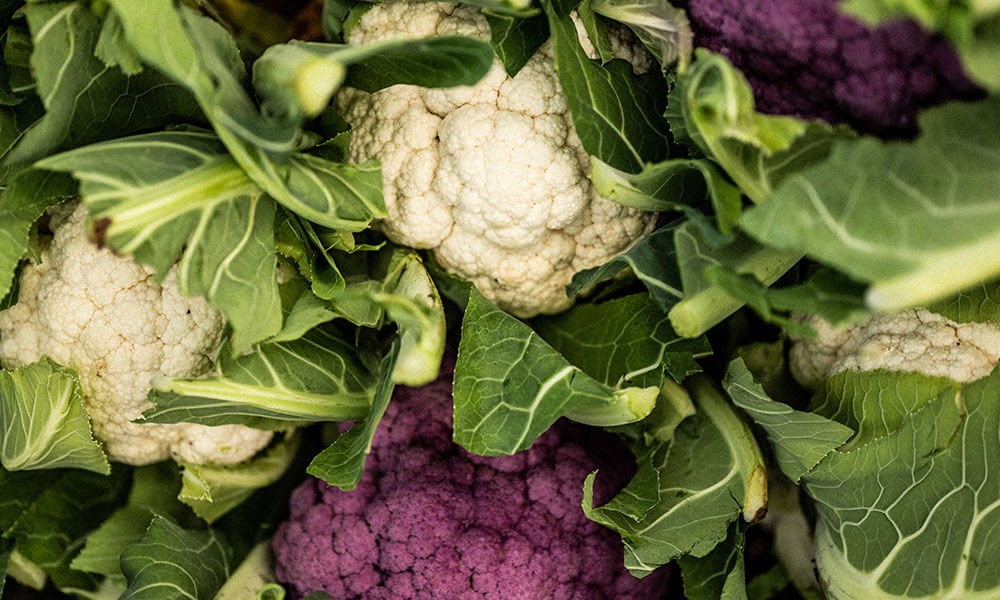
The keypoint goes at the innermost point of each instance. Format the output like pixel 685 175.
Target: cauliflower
pixel 806 58
pixel 912 340
pixel 429 520
pixel 492 177
pixel 103 316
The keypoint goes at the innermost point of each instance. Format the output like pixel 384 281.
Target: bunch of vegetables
pixel 356 304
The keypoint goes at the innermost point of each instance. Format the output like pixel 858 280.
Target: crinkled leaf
pixel 318 377
pixel 178 194
pixel 709 474
pixel 515 40
pixel 21 204
pixel 913 512
pixel 172 562
pixel 510 386
pixel 718 576
pixel 49 514
pixel 341 464
pixel 756 150
pixel 618 115
pixel 623 342
pixel 44 422
pixel 85 100
pixel 212 491
pixel 799 440
pixel 200 54
pixel 663 29
pixel 918 220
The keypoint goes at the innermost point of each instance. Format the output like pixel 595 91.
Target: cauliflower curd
pixel 492 177
pixel 106 318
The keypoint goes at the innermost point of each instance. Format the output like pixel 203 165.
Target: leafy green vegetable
pixel 515 40
pixel 617 115
pixel 318 377
pixel 212 491
pixel 510 386
pixel 707 475
pixel 163 195
pixel 718 575
pixel 44 422
pixel 663 29
pixel 342 463
pixel 919 220
pixel 173 562
pixel 85 100
pixel 800 440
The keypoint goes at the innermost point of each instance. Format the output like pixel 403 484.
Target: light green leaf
pixel 341 464
pixel 757 151
pixel 626 342
pixel 510 386
pixel 318 377
pixel 85 100
pixel 705 304
pixel 177 194
pixel 618 116
pixel 709 474
pixel 113 48
pixel 919 220
pixel 254 578
pixel 200 54
pixel 21 204
pixel 799 440
pixel 212 491
pixel 172 562
pixel 44 423
pixel 978 304
pixel 515 8
pixel 663 29
pixel 914 512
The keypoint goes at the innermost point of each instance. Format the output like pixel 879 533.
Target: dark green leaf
pixel 175 563
pixel 515 40
pixel 618 115
pixel 718 576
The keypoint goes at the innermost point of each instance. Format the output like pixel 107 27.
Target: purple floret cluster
pixel 428 520
pixel 807 58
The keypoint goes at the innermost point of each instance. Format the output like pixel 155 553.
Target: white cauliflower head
pixel 492 177
pixel 912 340
pixel 106 318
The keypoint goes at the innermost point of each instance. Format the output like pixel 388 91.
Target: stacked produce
pixel 499 299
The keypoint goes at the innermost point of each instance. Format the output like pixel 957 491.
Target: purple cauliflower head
pixel 429 520
pixel 807 58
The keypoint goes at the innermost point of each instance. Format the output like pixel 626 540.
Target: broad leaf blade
pixel 176 195
pixel 617 115
pixel 172 562
pixel 515 40
pixel 85 100
pixel 44 423
pixel 341 464
pixel 799 440
pixel 318 377
pixel 510 386
pixel 919 220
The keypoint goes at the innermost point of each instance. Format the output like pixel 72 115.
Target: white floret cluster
pixel 105 317
pixel 492 177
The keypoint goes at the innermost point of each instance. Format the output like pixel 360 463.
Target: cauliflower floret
pixel 492 177
pixel 105 317
pixel 911 340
